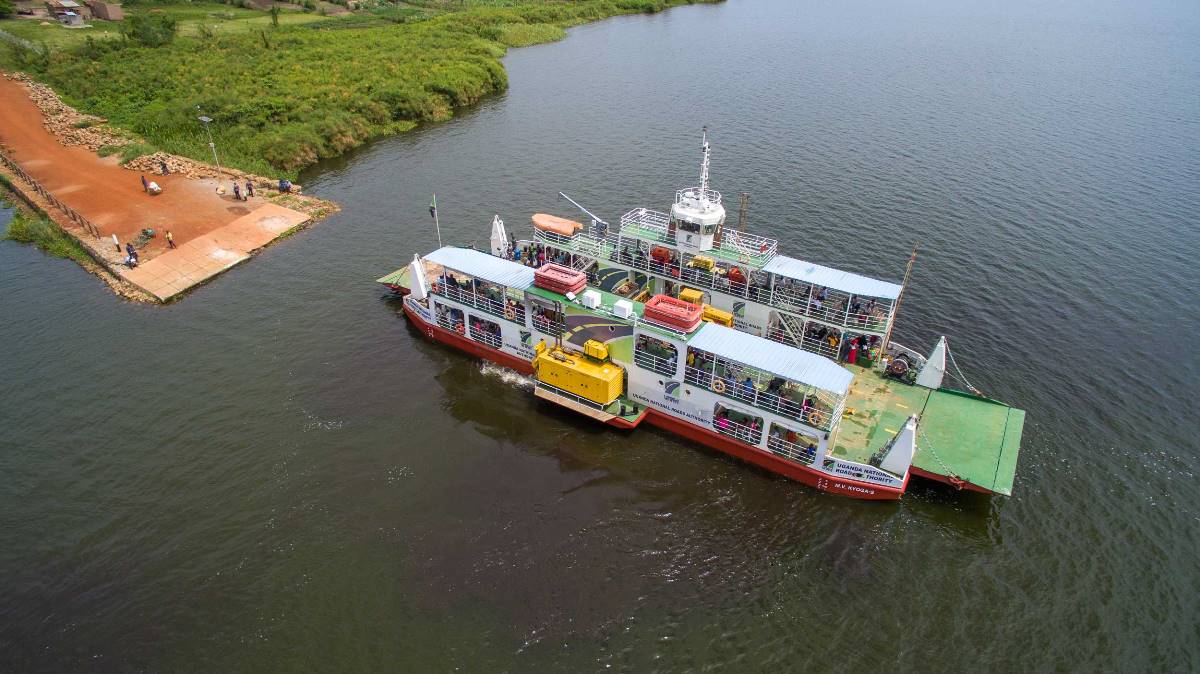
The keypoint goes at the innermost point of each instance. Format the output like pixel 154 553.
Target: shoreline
pixel 57 163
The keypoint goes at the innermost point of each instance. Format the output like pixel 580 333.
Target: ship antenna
pixel 704 169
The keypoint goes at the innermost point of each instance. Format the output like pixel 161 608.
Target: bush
pixel 6 9
pixel 151 30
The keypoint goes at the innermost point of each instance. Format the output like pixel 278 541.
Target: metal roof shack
pixel 785 361
pixel 828 277
pixel 483 266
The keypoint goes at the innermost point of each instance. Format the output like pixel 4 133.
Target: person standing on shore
pixel 249 189
pixel 170 239
pixel 237 191
pixel 163 165
pixel 145 185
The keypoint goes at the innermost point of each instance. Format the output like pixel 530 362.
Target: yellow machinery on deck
pixel 589 375
pixel 710 313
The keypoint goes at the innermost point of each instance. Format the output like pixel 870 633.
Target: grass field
pixel 285 96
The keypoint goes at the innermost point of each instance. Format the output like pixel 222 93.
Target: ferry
pixel 712 335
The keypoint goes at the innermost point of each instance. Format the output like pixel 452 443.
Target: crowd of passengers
pixel 859 347
pixel 490 291
pixel 778 393
pixel 535 255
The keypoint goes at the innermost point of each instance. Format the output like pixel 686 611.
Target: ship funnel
pixel 934 370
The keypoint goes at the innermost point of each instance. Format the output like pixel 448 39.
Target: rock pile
pixel 66 123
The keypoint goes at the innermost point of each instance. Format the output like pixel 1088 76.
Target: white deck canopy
pixel 786 361
pixel 828 277
pixel 483 266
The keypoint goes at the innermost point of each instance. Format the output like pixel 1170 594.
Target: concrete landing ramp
pixel 205 256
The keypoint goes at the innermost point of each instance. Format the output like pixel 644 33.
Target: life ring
pixel 510 314
pixel 718 386
pixel 814 418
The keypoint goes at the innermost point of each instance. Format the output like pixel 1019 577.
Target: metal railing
pixel 789 450
pixel 547 326
pixel 571 396
pixel 514 312
pixel 752 395
pixel 694 194
pixel 733 429
pixel 71 213
pixel 654 225
pixel 649 361
pixel 452 325
pixel 485 337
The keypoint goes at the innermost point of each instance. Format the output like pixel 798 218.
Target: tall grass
pixel 38 230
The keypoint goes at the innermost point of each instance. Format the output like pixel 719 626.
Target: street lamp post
pixel 211 145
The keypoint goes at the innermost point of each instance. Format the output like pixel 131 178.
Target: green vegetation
pixel 149 30
pixel 6 9
pixel 37 229
pixel 283 97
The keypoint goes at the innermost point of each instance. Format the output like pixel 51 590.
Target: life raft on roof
pixel 553 223
pixel 559 279
pixel 673 313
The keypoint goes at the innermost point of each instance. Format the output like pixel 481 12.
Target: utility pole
pixel 211 145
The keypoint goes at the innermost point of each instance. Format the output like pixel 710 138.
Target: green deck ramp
pixel 975 439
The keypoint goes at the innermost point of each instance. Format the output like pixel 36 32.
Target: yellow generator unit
pixel 691 295
pixel 715 315
pixel 701 262
pixel 597 350
pixel 594 379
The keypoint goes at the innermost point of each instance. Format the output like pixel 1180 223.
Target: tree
pixel 6 9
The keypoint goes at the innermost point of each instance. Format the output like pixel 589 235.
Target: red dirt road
pixel 102 191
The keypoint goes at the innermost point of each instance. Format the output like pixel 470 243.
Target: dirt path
pixel 102 191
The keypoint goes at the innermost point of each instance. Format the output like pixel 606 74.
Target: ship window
pixel 451 318
pixel 488 332
pixel 735 424
pixel 793 444
pixel 656 355
pixel 685 226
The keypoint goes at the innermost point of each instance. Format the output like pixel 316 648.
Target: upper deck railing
pixel 692 194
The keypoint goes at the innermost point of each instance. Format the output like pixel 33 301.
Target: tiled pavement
pixel 198 260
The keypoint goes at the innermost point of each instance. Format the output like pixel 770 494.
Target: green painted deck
pixel 966 436
pixel 398 277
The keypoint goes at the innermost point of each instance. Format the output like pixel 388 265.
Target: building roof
pixel 828 277
pixel 785 361
pixel 483 266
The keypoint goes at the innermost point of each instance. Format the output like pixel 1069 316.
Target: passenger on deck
pixel 748 388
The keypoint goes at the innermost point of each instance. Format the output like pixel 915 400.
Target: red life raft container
pixel 673 313
pixel 559 279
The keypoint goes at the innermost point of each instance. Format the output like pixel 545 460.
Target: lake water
pixel 278 474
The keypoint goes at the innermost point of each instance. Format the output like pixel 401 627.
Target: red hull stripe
pixel 758 457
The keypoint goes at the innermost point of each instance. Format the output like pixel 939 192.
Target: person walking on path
pixel 170 239
pixel 145 185
pixel 249 189
pixel 237 191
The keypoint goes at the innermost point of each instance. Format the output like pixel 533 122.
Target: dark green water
pixel 276 474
